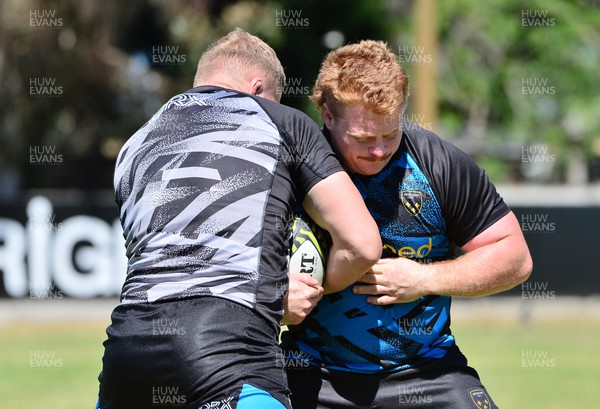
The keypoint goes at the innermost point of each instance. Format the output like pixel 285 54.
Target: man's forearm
pixel 486 270
pixel 494 261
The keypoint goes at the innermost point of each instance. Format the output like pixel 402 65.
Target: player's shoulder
pixel 285 118
pixel 282 114
pixel 420 138
pixel 428 146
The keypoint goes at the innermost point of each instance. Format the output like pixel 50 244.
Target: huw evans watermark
pixel 167 327
pixel 291 155
pixel 45 87
pixel 167 55
pixel 537 154
pixel 537 223
pixel 44 292
pixel 284 223
pixel 44 155
pixel 42 19
pixel 413 122
pixel 411 54
pixel 537 359
pixel 44 222
pixel 537 87
pixel 537 18
pixel 414 327
pixel 533 290
pixel 291 19
pixel 168 396
pixel 293 88
pixel 44 359
pixel 171 126
pixel 292 359
pixel 414 395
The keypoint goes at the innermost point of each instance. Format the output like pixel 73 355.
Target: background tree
pixel 513 76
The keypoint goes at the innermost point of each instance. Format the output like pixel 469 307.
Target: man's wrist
pixel 430 284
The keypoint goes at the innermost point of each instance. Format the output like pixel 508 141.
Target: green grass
pixel 552 365
pixel 570 378
pixel 50 366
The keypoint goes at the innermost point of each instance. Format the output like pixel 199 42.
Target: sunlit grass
pixel 546 365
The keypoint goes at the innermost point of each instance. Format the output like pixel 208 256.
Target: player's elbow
pixel 369 249
pixel 354 258
pixel 522 266
pixel 365 251
pixel 357 264
pixel 525 268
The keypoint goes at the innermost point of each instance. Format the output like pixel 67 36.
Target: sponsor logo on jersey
pixel 411 252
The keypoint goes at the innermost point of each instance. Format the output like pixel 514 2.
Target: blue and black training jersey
pixel 429 199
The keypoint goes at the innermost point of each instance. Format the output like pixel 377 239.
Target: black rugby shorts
pixel 203 352
pixel 438 388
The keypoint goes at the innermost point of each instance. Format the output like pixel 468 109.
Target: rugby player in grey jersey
pixel 202 189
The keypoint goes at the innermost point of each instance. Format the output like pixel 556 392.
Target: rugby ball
pixel 309 249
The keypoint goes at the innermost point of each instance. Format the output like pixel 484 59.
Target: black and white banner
pixel 45 252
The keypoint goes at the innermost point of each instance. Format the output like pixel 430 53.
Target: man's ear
pixel 328 118
pixel 256 86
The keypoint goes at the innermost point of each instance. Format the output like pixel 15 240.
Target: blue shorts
pixel 201 353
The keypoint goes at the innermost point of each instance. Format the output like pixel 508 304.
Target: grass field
pixel 552 365
pixel 545 365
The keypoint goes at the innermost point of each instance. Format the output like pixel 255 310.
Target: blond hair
pixel 233 55
pixel 367 73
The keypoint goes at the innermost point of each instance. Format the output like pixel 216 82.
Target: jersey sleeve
pixel 470 203
pixel 305 149
pixel 311 155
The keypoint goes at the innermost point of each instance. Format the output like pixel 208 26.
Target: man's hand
pixel 393 280
pixel 303 295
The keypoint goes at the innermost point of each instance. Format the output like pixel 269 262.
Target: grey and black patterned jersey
pixel 205 189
